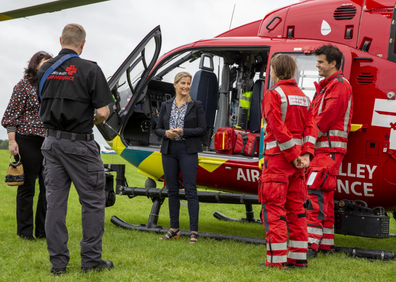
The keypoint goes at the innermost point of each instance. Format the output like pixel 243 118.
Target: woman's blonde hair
pixel 178 77
pixel 284 66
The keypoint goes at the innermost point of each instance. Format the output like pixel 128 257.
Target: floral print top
pixel 177 117
pixel 23 110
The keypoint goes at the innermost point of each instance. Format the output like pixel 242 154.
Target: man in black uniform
pixel 70 95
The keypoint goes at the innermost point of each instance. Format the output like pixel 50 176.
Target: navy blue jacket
pixel 194 126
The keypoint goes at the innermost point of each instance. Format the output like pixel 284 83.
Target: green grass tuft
pixel 141 256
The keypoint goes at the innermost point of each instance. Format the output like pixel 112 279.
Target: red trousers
pixel 322 183
pixel 282 192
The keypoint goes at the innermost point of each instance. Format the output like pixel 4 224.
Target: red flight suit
pixel 290 133
pixel 332 107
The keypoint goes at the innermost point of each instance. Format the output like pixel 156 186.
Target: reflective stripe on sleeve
pixel 347 113
pixel 334 144
pixel 338 133
pixel 287 145
pixel 310 139
pixel 273 144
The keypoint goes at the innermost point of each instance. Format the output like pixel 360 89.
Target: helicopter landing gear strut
pixel 249 216
pixel 158 196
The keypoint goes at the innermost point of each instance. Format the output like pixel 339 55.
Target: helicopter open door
pixel 127 84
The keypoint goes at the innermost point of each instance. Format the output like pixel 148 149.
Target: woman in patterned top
pixel 25 135
pixel 181 124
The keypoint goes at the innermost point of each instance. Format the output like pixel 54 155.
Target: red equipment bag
pixel 224 140
pixel 247 143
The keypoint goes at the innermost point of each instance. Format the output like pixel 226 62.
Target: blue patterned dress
pixel 177 117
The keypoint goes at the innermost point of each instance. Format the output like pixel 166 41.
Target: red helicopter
pixel 234 65
pixel 233 68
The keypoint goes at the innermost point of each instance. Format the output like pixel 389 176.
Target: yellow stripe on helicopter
pixel 117 145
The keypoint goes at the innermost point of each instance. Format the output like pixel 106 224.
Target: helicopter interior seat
pixel 204 88
pixel 255 106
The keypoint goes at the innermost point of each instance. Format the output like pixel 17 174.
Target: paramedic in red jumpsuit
pixel 288 148
pixel 332 106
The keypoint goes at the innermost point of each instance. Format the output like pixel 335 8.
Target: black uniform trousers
pixel 32 160
pixel 178 161
pixel 67 161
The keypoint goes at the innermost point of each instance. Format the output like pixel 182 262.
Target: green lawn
pixel 140 256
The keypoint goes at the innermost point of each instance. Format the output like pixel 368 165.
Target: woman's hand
pixel 302 161
pixel 172 133
pixel 178 131
pixel 13 148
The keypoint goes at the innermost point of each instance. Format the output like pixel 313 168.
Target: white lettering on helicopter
pixel 348 187
pixel 250 175
pixel 360 171
pixel 358 188
pixel 355 188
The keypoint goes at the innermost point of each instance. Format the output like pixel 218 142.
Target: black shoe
pixel 104 264
pixel 41 237
pixel 27 237
pixel 311 254
pixel 58 271
pixel 290 265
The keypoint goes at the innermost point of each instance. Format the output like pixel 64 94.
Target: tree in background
pixel 4 144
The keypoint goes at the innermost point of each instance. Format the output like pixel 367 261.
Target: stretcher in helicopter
pixel 230 75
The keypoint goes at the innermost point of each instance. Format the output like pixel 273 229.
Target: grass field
pixel 140 256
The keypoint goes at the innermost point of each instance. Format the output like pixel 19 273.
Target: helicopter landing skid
pixel 249 216
pixel 158 195
pixel 158 229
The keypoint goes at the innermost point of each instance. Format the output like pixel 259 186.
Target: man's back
pixel 71 93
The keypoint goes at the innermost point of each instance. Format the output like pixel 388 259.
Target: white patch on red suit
pixel 298 101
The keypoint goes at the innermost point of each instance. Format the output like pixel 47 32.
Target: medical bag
pixel 246 143
pixel 234 141
pixel 224 140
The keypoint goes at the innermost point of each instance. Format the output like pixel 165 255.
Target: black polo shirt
pixel 71 94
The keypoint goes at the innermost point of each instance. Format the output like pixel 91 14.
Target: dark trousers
pixel 32 160
pixel 178 161
pixel 79 162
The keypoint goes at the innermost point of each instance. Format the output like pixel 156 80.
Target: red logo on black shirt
pixel 71 70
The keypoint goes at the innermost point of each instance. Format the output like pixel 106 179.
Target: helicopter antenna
pixel 232 16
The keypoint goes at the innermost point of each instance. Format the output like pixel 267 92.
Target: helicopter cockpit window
pixel 126 86
pixel 306 73
pixel 186 61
